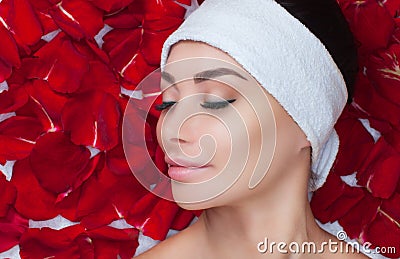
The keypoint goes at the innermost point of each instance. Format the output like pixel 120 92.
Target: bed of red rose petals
pixel 362 191
pixel 63 65
pixel 64 108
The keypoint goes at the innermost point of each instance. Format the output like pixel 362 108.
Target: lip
pixel 182 163
pixel 181 170
pixel 185 174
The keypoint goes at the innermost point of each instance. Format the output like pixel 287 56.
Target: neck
pixel 282 214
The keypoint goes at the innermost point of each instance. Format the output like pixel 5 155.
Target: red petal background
pixel 362 190
pixel 65 67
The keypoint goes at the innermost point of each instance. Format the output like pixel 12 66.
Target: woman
pixel 250 98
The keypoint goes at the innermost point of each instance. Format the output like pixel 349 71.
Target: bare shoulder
pixel 180 246
pixel 165 249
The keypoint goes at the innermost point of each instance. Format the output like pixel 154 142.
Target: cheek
pixel 248 142
pixel 211 135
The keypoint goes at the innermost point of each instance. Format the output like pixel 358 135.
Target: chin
pixel 183 199
pixel 193 206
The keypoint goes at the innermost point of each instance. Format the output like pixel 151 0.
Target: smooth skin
pixel 234 222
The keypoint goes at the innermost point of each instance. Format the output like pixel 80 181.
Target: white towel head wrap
pixel 284 57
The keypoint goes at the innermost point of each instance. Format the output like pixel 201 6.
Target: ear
pixel 305 143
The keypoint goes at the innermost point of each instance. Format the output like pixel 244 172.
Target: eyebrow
pixel 205 75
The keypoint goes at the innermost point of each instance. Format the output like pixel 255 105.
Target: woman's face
pixel 218 129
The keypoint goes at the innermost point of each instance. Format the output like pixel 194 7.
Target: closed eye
pixel 217 105
pixel 164 105
pixel 207 105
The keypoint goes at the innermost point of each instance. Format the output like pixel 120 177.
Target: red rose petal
pixel 77 18
pixel 360 216
pixel 103 216
pixel 12 99
pixel 32 201
pixel 42 7
pixel 324 197
pixel 384 232
pixel 392 7
pixel 182 219
pixel 16 79
pixel 136 132
pixel 17 137
pixel 33 108
pixel 160 220
pixel 382 70
pixel 68 204
pixel 136 69
pixel 7 195
pixel 355 140
pixel 13 148
pixel 393 137
pixel 93 119
pixel 363 17
pixel 348 199
pixel 116 161
pixel 384 181
pixel 152 215
pixel 160 161
pixel 163 9
pixel 92 44
pixel 57 162
pixel 51 103
pixel 103 198
pixel 128 18
pixel 100 77
pixel 46 242
pixel 59 63
pixel 47 22
pixel 155 33
pixel 21 127
pixel 118 193
pixel 92 209
pixel 137 157
pixel 11 228
pixel 141 210
pixel 374 104
pixel 82 177
pixel 67 70
pixel 5 70
pixel 111 5
pixel 122 45
pixel 391 207
pixel 9 56
pixel 379 172
pixel 23 22
pixel 124 192
pixel 186 2
pixel 114 243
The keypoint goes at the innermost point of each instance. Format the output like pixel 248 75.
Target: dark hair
pixel 326 21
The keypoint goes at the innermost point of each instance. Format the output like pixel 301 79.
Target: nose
pixel 178 136
pixel 175 128
pixel 178 140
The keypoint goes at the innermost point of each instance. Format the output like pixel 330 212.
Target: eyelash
pixel 207 105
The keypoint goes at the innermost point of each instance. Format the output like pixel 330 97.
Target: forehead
pixel 189 49
pixel 201 70
pixel 188 58
pixel 191 60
